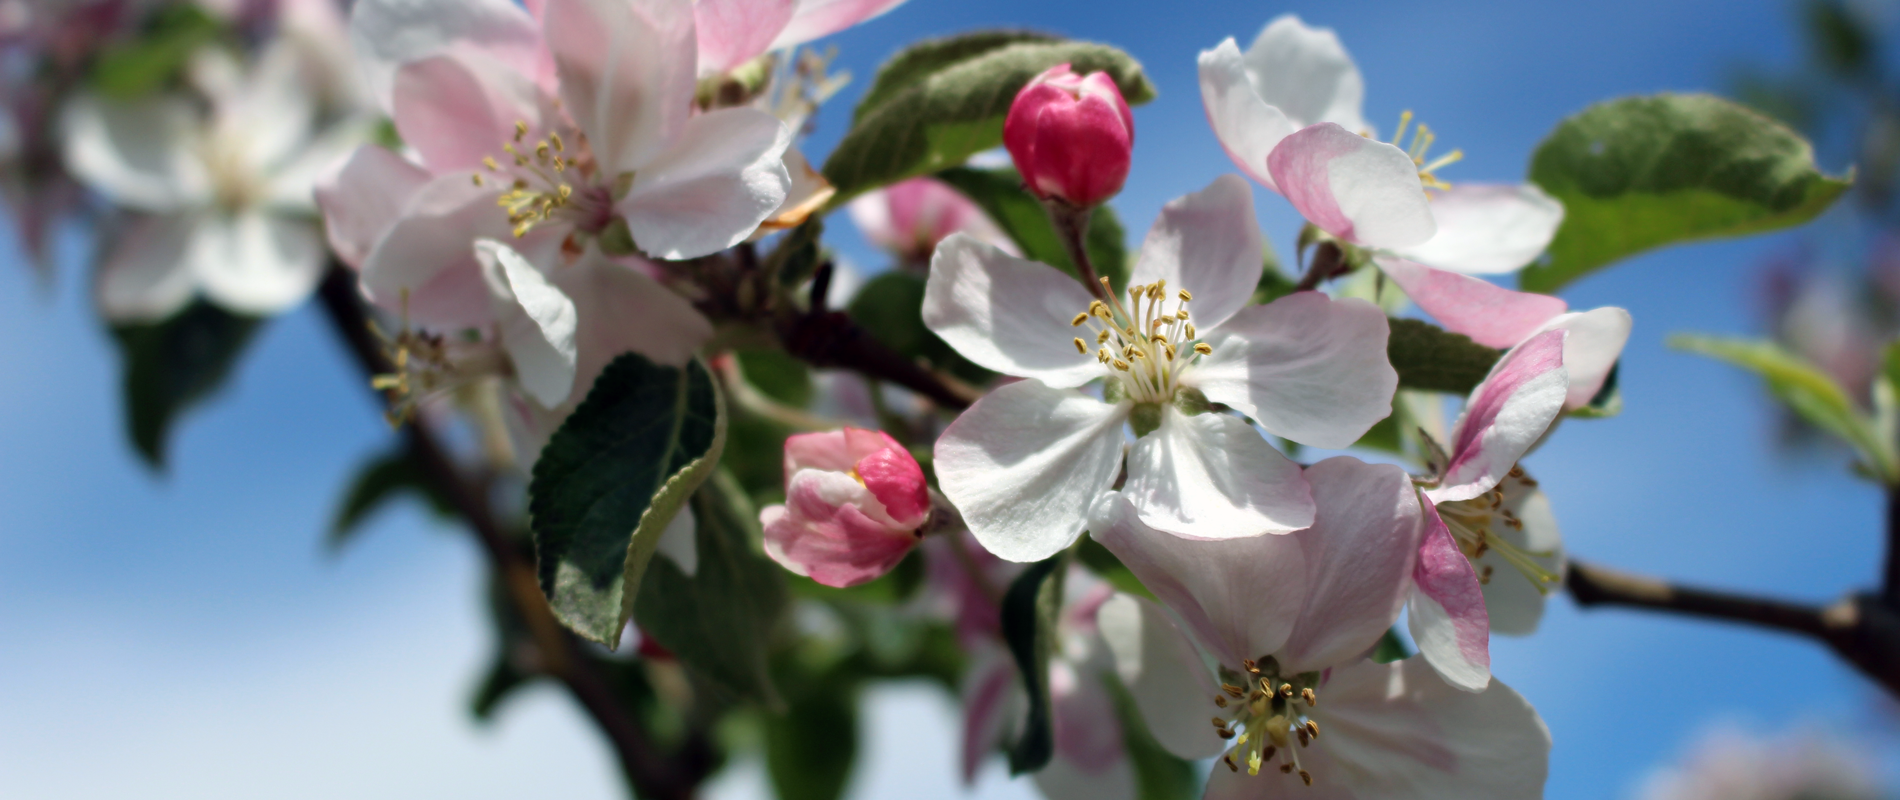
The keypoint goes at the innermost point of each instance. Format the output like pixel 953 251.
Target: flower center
pixel 1265 715
pixel 1141 342
pixel 429 365
pixel 1477 524
pixel 226 153
pixel 542 183
pixel 1420 150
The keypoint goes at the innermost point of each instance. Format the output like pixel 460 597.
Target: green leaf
pixel 1840 37
pixel 1001 195
pixel 809 749
pixel 798 253
pixel 380 480
pixel 1805 389
pixel 1643 172
pixel 1030 608
pixel 719 621
pixel 1273 283
pixel 1391 648
pixel 173 365
pixel 777 374
pixel 1159 774
pixel 939 103
pixel 1429 357
pixel 890 306
pixel 156 56
pixel 611 478
pixel 1108 567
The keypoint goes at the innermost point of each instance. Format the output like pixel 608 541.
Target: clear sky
pixel 184 635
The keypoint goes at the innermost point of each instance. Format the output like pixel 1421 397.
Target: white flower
pixel 1024 463
pixel 224 200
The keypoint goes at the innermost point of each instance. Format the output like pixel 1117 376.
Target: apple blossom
pixel 732 32
pixel 1024 463
pixel 908 218
pixel 1287 111
pixel 1288 621
pixel 855 503
pixel 1071 136
pixel 223 200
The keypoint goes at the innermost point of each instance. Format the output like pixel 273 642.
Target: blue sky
pixel 184 635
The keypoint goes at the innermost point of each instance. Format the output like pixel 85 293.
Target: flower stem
pixel 1072 227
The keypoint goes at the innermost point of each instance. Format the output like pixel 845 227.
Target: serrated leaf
pixel 611 478
pixel 1643 172
pixel 720 621
pixel 1804 388
pixel 919 60
pixel 941 110
pixel 173 365
pixel 380 480
pixel 1430 358
pixel 1030 608
pixel 1001 195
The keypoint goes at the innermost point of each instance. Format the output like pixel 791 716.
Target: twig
pixel 832 339
pixel 651 772
pixel 1072 227
pixel 1862 629
pixel 1890 578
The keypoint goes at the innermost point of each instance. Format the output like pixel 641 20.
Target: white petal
pixel 1595 343
pixel 1358 554
pixel 1238 597
pixel 537 322
pixel 270 111
pixel 1063 779
pixel 1396 730
pixel 362 196
pixel 292 187
pixel 1212 476
pixel 1306 367
pixel 1488 228
pixel 1163 674
pixel 711 187
pixel 147 276
pixel 1208 243
pixel 141 154
pixel 628 72
pixel 623 311
pixel 1008 314
pixel 1247 127
pixel 425 253
pixel 679 541
pixel 1363 191
pixel 1506 414
pixel 1513 601
pixel 389 33
pixel 1024 463
pixel 257 263
pixel 819 18
pixel 1306 73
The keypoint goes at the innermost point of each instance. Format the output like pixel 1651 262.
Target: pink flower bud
pixel 854 500
pixel 909 218
pixel 1071 136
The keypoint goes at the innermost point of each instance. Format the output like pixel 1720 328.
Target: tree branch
pixel 1862 629
pixel 832 339
pixel 651 772
pixel 1890 578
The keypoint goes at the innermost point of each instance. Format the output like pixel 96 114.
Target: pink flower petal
pixel 1505 415
pixel 895 479
pixel 1363 191
pixel 362 197
pixel 819 18
pixel 1596 341
pixel 1448 618
pixel 1491 315
pixel 1357 554
pixel 823 533
pixel 732 32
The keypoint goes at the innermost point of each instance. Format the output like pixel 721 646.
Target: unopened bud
pixel 1071 136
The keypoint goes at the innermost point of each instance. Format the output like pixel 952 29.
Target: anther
pixel 1181 315
pixel 1184 295
pixel 1079 319
pixel 521 129
pixel 1312 728
pixel 1269 753
pixel 478 178
pixel 1305 739
pixel 1229 761
pixel 1121 365
pixel 1225 733
pixel 555 139
pixel 1250 665
pixel 1306 777
pixel 489 162
pixel 1190 331
pixel 1203 348
pixel 1220 723
pixel 1286 769
pixel 1101 338
pixel 1307 696
pixel 1081 346
pixel 1286 690
pixel 1220 700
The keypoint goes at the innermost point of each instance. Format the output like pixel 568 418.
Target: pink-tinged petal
pixel 1212 476
pixel 1448 618
pixel 910 217
pixel 1163 673
pixel 1488 228
pixel 425 255
pixel 1306 367
pixel 362 198
pixel 456 111
pixel 1248 127
pixel 815 19
pixel 1361 547
pixel 987 706
pixel 537 322
pixel 624 311
pixel 1064 779
pixel 1238 597
pixel 1491 315
pixel 1208 243
pixel 1307 74
pixel 387 34
pixel 628 71
pixel 1008 314
pixel 838 451
pixel 1023 464
pixel 894 477
pixel 1515 603
pixel 1363 191
pixel 256 263
pixel 732 32
pixel 146 276
pixel 1595 343
pixel 711 187
pixel 1087 733
pixel 1504 416
pixel 826 533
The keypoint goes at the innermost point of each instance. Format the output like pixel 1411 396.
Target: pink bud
pixel 854 500
pixel 910 217
pixel 1071 136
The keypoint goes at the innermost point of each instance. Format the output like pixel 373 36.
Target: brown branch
pixel 1862 629
pixel 1890 577
pixel 651 772
pixel 832 339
